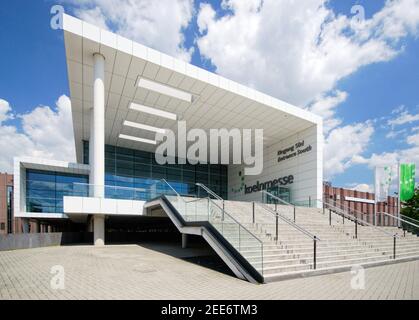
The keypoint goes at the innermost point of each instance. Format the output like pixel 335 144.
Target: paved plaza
pixel 157 272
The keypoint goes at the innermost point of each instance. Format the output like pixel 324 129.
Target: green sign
pixel 407 181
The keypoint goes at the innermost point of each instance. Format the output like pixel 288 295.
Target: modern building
pixel 129 100
pixel 122 95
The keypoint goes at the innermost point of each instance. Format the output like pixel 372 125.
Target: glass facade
pixel 139 169
pixel 280 192
pixel 45 190
pixel 9 209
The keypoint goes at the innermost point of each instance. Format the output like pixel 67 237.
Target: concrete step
pixel 292 252
pixel 323 265
pixel 309 255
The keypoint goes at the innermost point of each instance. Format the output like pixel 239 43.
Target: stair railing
pixel 278 216
pixel 267 194
pixel 212 193
pixel 409 219
pixel 341 212
pixel 403 222
pixel 242 230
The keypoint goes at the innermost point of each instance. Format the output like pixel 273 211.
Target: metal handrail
pixel 293 224
pixel 350 209
pixel 277 198
pixel 208 190
pixel 351 218
pixel 276 214
pixel 223 209
pixel 336 209
pixel 170 186
pixel 400 219
pixel 409 218
pixel 223 212
pixel 177 193
pixel 283 201
pixel 240 226
pixel 212 201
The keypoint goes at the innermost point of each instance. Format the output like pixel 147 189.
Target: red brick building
pixel 8 223
pixel 362 202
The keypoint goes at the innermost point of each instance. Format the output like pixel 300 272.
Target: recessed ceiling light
pixel 126 137
pixel 143 126
pixel 153 111
pixel 165 90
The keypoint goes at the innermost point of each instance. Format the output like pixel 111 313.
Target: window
pixel 9 209
pixel 139 169
pixel 45 190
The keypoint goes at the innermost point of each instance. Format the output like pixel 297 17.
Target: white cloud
pixel 344 146
pixel 5 111
pixel 206 15
pixel 413 139
pixel 362 187
pixel 309 47
pixel 157 24
pixel 46 133
pixel 325 106
pixel 403 117
pixel 410 154
pixel 94 16
pixel 394 134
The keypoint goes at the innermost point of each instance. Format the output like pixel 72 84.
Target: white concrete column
pixel 99 230
pixel 97 145
pixel 97 167
pixel 91 153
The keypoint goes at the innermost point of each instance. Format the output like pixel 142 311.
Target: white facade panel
pixel 101 206
pixel 303 167
pixel 20 166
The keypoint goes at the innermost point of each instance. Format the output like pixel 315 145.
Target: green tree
pixel 410 208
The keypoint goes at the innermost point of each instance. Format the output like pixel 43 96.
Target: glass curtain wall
pixel 45 190
pixel 139 169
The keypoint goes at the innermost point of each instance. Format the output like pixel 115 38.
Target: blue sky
pixel 34 74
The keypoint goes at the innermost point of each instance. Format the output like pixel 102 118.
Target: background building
pixel 362 202
pixel 8 222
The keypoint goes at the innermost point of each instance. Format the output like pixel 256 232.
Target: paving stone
pixel 137 272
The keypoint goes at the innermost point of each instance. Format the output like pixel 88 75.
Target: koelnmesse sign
pixel 293 151
pixel 269 184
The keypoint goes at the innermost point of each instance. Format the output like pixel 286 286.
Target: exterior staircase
pixel 284 241
pixel 338 248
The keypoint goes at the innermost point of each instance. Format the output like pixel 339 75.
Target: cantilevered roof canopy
pixel 150 79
